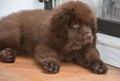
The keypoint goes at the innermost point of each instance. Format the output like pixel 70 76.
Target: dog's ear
pixel 59 23
pixel 94 28
pixel 60 18
pixel 93 25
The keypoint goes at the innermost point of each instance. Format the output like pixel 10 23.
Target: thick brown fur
pixel 66 33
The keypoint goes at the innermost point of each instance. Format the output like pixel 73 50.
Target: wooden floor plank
pixel 27 70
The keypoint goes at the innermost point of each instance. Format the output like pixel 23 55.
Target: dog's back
pixel 24 29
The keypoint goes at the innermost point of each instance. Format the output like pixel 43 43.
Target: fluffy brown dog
pixel 67 33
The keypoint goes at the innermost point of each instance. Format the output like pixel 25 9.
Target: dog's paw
pixel 98 67
pixel 51 67
pixel 7 55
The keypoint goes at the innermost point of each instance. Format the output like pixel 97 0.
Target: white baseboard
pixel 109 48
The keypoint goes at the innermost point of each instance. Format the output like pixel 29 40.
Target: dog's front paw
pixel 7 55
pixel 98 67
pixel 51 67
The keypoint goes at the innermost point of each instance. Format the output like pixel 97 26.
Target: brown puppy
pixel 67 33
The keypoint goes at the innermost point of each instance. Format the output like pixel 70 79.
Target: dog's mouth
pixel 72 46
pixel 78 43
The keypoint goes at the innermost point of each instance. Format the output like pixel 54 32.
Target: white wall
pixel 9 6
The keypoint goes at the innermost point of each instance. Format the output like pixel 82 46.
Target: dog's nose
pixel 88 37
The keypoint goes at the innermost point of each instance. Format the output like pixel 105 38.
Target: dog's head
pixel 76 23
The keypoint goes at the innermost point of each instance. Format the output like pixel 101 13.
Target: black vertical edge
pixel 48 5
pixel 109 27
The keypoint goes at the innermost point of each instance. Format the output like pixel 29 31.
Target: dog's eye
pixel 76 26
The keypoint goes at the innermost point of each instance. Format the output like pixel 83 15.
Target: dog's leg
pixel 90 59
pixel 94 63
pixel 48 58
pixel 7 55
